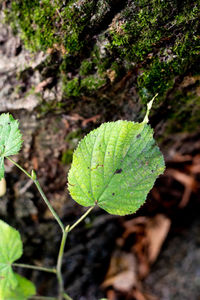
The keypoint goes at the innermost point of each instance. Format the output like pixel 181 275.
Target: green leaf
pixel 10 139
pixel 23 291
pixel 10 250
pixel 115 166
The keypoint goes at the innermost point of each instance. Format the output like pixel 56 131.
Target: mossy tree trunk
pixel 108 59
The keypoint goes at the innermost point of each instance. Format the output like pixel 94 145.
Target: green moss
pixel 160 39
pixel 159 74
pixel 92 83
pixel 148 26
pixel 71 88
pixel 74 137
pixel 156 79
pixel 47 24
pixel 140 29
pixel 185 116
pixel 75 17
pixel 77 86
pixel 49 106
pixel 103 65
pixel 86 67
pixel 67 157
pixel 35 20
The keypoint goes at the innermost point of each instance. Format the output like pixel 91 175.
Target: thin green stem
pixel 59 263
pixel 42 298
pixel 41 193
pixel 65 231
pixel 67 297
pixel 81 219
pixel 34 267
pixel 17 165
pixel 49 205
pixel 61 252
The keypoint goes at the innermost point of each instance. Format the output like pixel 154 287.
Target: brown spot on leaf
pixel 96 167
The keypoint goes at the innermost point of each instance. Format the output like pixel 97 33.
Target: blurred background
pixel 65 68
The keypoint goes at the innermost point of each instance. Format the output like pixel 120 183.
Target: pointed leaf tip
pixel 149 106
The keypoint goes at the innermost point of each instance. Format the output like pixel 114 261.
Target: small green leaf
pixel 115 166
pixel 10 139
pixel 10 250
pixel 23 291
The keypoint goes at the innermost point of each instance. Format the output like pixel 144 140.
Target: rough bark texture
pixel 104 56
pixel 68 66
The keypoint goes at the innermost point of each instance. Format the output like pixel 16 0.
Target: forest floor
pixel 151 255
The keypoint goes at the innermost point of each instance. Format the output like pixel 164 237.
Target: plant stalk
pixel 49 205
pixel 41 193
pixel 19 167
pixel 34 268
pixel 61 252
pixel 81 218
pixel 67 297
pixel 59 264
pixel 65 231
pixel 41 298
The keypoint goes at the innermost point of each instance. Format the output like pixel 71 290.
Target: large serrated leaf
pixel 10 250
pixel 10 139
pixel 23 291
pixel 115 166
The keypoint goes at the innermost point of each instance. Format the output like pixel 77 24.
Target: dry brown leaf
pixel 122 272
pixel 183 178
pixel 66 123
pixel 92 119
pixel 125 272
pixel 148 237
pixel 194 168
pixel 74 117
pixel 156 230
pixel 181 158
pixel 123 282
pixel 189 183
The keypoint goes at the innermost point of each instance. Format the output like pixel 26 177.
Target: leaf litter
pixel 143 237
